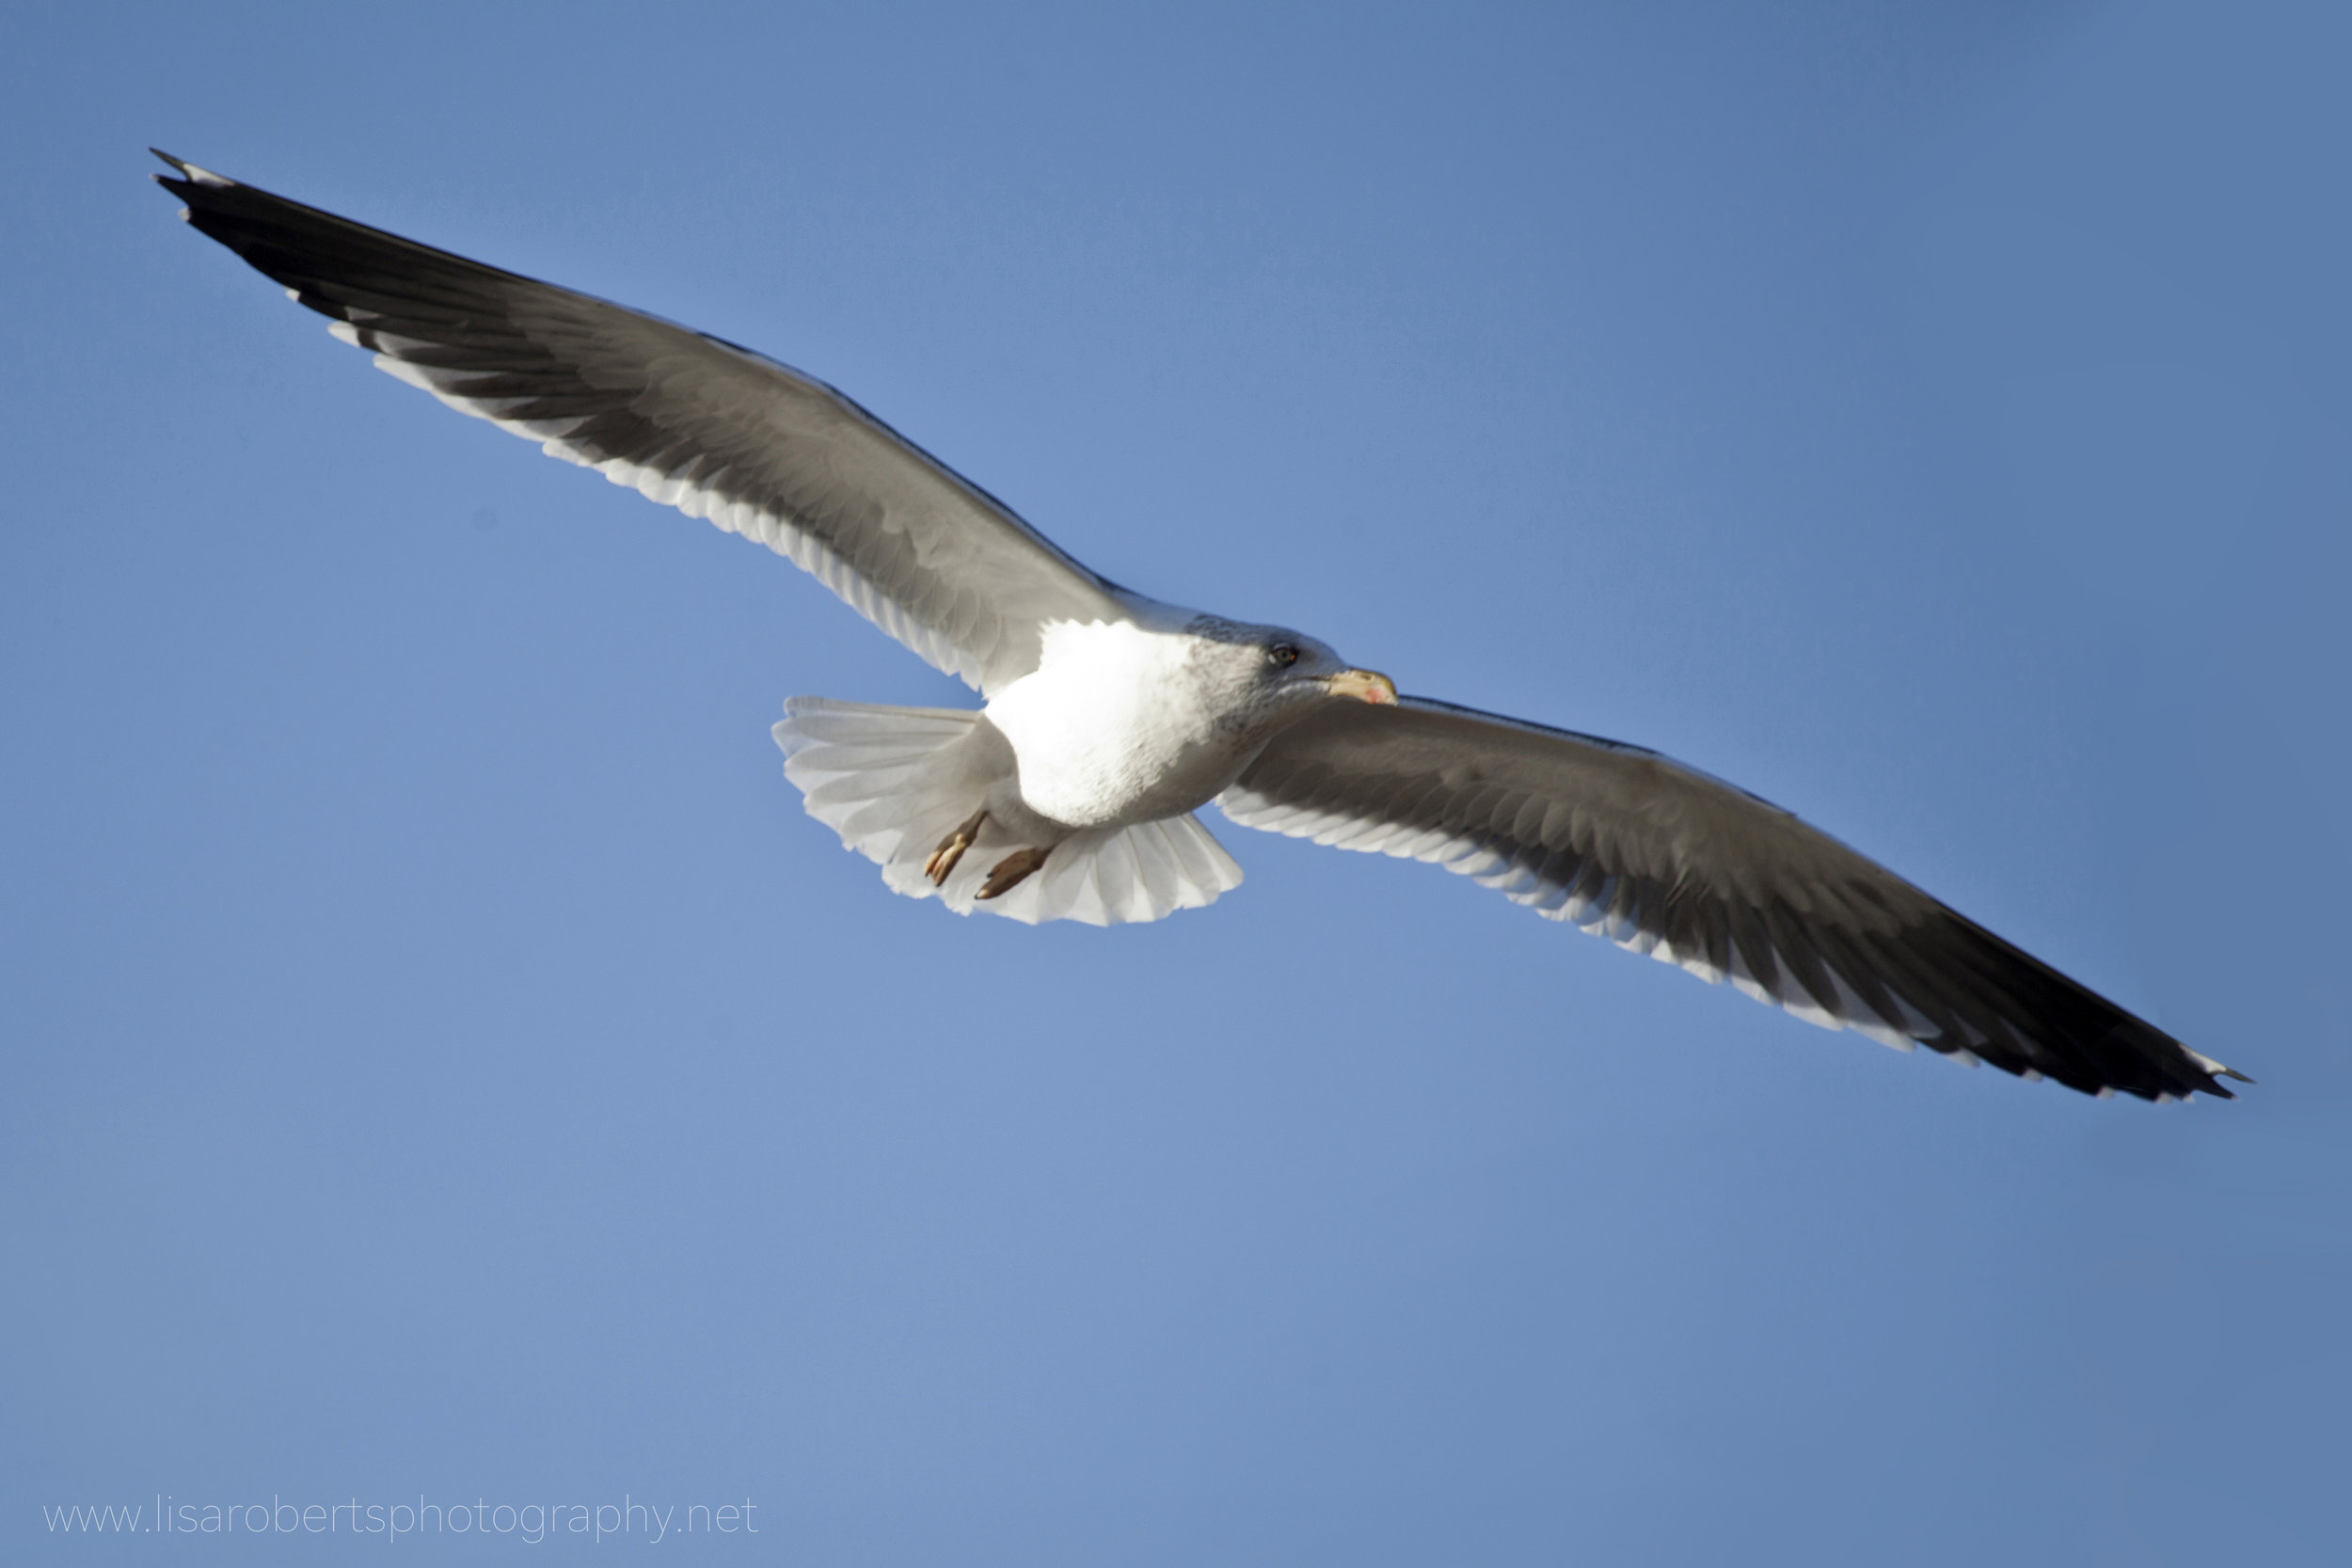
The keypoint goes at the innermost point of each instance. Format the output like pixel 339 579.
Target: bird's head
pixel 1271 675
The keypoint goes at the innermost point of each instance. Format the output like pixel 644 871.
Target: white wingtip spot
pixel 206 177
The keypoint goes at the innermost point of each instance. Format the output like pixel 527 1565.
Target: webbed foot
pixel 1012 871
pixel 943 862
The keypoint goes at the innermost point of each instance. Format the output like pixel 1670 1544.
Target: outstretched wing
pixel 687 420
pixel 1666 861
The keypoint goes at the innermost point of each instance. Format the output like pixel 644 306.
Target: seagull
pixel 1110 718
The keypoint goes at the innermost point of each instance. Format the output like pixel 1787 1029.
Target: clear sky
pixel 443 1061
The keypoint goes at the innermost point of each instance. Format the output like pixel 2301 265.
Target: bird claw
pixel 1012 871
pixel 943 862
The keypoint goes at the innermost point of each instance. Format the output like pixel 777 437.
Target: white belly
pixel 1111 730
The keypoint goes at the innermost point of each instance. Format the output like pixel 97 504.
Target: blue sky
pixel 444 1060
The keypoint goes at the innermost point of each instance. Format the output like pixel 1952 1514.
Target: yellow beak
pixel 1365 686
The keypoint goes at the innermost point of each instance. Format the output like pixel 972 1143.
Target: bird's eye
pixel 1281 655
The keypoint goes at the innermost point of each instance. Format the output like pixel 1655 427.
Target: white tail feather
pixel 893 781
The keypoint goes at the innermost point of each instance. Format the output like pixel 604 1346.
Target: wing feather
pixel 687 419
pixel 1663 859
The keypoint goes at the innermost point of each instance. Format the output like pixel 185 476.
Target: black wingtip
pixel 186 174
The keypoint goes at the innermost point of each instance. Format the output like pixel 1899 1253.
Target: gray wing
pixel 1666 861
pixel 689 420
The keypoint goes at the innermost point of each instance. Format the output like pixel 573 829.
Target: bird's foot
pixel 951 848
pixel 1012 871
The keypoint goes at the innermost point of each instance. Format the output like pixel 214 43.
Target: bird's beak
pixel 1364 685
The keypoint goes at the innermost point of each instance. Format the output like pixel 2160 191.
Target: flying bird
pixel 1110 718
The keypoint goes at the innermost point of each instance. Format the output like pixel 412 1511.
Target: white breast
pixel 1112 728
